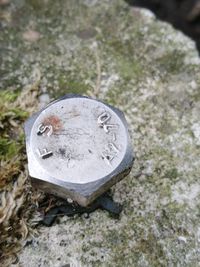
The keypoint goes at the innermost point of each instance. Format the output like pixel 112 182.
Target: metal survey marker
pixel 78 147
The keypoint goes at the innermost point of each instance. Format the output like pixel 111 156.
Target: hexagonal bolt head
pixel 78 147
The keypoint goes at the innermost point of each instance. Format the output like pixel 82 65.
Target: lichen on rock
pixel 150 71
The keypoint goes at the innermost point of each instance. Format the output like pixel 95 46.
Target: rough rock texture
pixel 151 72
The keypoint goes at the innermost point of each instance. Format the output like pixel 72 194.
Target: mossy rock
pixel 150 71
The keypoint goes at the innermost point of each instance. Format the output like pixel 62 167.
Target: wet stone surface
pixel 149 71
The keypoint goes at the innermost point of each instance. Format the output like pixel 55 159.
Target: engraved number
pixel 103 118
pixel 110 152
pixel 107 127
pixel 103 121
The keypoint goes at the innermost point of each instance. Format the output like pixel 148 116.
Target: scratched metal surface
pixel 78 140
pixel 78 147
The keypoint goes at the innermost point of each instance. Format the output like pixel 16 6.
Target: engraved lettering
pixel 45 128
pixel 103 118
pixel 44 153
pixel 108 127
pixel 110 152
pixel 113 147
pixel 114 138
pixel 103 121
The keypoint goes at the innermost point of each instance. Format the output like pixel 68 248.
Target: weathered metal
pixel 78 147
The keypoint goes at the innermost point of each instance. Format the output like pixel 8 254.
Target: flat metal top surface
pixel 78 140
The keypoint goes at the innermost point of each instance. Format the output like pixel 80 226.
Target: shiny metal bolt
pixel 78 147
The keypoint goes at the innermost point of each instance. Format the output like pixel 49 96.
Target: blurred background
pixel 182 14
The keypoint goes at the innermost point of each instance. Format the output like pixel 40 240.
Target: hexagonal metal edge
pixel 84 194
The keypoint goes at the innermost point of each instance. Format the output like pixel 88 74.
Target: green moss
pixel 8 96
pixel 172 173
pixel 151 247
pixel 171 63
pixel 70 85
pixel 11 136
pixel 9 111
pixel 126 61
pixel 13 113
pixel 36 4
pixel 129 69
pixel 20 114
pixel 8 148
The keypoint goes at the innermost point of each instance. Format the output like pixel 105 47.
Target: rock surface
pixel 150 71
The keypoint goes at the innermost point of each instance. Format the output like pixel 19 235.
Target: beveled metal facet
pixel 78 147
